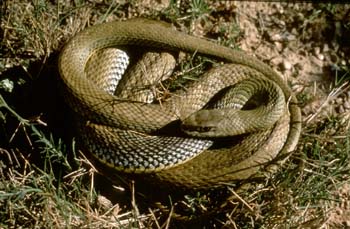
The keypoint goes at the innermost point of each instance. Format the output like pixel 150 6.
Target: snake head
pixel 203 123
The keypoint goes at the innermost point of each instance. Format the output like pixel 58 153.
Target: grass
pixel 45 181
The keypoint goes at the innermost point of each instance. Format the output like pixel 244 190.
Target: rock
pixel 288 36
pixel 104 203
pixel 339 101
pixel 325 48
pixel 346 105
pixel 279 46
pixel 294 32
pixel 316 61
pixel 320 56
pixel 287 65
pixel 317 50
pixel 276 61
pixel 276 37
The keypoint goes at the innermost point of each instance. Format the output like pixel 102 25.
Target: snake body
pixel 123 134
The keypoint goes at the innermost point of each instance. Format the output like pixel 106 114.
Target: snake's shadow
pixel 34 95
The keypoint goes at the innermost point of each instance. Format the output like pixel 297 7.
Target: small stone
pixel 300 16
pixel 288 37
pixel 281 10
pixel 339 101
pixel 346 105
pixel 347 223
pixel 317 50
pixel 320 56
pixel 276 37
pixel 104 203
pixel 279 46
pixel 287 65
pixel 298 66
pixel 276 61
pixel 316 61
pixel 339 211
pixel 325 47
pixel 294 31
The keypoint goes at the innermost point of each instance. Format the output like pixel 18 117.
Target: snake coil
pixel 122 133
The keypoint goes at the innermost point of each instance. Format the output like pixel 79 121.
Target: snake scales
pixel 123 133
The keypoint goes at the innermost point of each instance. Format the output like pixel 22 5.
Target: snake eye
pixel 206 128
pixel 199 129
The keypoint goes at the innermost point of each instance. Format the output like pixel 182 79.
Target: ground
pixel 46 182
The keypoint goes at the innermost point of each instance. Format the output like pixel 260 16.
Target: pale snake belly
pixel 123 134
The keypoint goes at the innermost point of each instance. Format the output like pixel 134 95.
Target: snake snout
pixel 203 122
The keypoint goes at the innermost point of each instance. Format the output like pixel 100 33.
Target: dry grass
pixel 46 182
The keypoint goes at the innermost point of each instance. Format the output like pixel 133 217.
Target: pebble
pixel 276 37
pixel 289 37
pixel 339 101
pixel 316 61
pixel 320 56
pixel 279 46
pixel 298 66
pixel 346 105
pixel 325 48
pixel 275 61
pixel 300 17
pixel 317 50
pixel 287 65
pixel 346 223
pixel 104 203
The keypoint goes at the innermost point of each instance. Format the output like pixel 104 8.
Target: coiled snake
pixel 126 135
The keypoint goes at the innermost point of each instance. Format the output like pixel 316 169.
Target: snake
pixel 211 142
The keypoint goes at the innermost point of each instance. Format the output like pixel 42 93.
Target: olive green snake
pixel 127 135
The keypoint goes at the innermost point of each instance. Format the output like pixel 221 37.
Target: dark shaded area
pixel 35 97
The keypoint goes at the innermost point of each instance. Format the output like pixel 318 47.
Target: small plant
pixel 198 8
